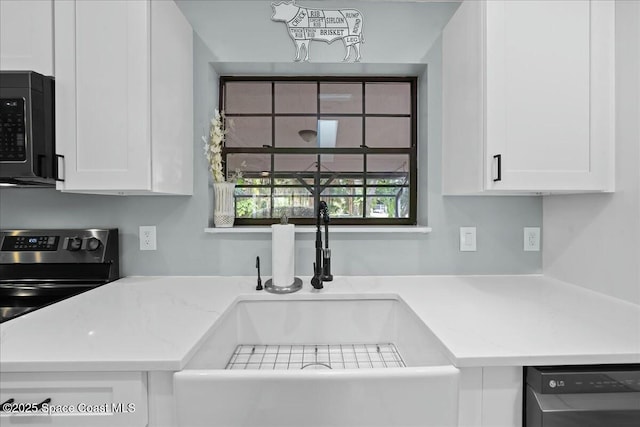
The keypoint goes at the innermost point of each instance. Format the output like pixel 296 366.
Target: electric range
pixel 40 267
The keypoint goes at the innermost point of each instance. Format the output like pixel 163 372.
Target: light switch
pixel 467 239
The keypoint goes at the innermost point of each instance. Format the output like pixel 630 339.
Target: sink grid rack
pixel 315 356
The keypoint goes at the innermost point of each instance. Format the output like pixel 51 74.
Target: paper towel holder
pixel 294 287
pixel 297 283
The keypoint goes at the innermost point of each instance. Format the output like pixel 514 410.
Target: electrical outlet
pixel 467 239
pixel 147 237
pixel 532 239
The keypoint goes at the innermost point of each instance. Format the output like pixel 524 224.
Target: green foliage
pixel 345 198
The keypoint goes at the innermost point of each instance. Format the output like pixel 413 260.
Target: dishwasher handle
pixel 586 401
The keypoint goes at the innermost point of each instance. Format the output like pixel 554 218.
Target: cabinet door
pixel 67 399
pixel 549 94
pixel 26 35
pixel 102 94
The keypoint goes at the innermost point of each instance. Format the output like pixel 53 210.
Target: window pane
pixel 328 132
pixel 295 163
pixel 248 132
pixel 253 202
pixel 344 202
pixel 403 203
pixel 347 131
pixel 388 132
pixel 295 178
pixel 292 201
pixel 388 165
pixel 388 98
pixel 296 97
pixel 254 166
pixel 387 186
pixel 350 163
pixel 340 97
pixel 387 202
pixel 253 179
pixel 288 132
pixel 247 97
pixel 399 179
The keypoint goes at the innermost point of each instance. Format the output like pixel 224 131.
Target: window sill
pixel 419 229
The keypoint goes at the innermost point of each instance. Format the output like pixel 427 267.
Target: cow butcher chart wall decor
pixel 327 25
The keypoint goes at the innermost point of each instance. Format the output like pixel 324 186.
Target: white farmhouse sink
pixel 277 392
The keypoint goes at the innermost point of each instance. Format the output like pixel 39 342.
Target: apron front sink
pixel 318 361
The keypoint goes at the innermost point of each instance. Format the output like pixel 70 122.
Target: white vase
pixel 224 210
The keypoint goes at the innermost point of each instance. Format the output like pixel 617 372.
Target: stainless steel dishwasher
pixel 582 396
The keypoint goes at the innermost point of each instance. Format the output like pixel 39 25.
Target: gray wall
pixel 592 239
pixel 184 248
pixel 394 31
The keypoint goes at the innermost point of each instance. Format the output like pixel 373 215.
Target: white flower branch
pixel 213 148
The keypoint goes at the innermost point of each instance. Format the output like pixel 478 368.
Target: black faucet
pixel 318 270
pixel 326 252
pixel 259 286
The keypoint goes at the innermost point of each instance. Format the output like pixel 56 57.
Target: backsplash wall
pixel 184 248
pixel 592 239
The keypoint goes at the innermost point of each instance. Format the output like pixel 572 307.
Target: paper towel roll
pixel 283 241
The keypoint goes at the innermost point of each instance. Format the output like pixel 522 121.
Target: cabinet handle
pixel 498 174
pixel 57 171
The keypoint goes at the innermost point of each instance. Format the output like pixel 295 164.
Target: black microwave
pixel 27 129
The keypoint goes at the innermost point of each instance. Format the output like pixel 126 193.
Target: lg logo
pixel 554 383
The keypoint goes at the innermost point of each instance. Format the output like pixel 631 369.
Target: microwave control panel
pixel 12 130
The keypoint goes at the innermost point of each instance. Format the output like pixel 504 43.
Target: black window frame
pixel 411 151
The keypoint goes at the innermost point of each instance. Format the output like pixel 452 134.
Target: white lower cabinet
pixel 124 97
pixel 162 403
pixel 83 399
pixel 490 397
pixel 528 97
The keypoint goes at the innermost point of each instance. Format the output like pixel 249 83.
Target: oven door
pixel 20 298
pixel 582 410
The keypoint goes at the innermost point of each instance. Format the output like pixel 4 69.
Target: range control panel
pixel 30 243
pixel 585 379
pixel 58 246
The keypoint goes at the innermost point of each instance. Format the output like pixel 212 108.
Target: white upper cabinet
pixel 124 97
pixel 528 97
pixel 26 35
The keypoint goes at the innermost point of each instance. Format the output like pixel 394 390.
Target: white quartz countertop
pixel 157 323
